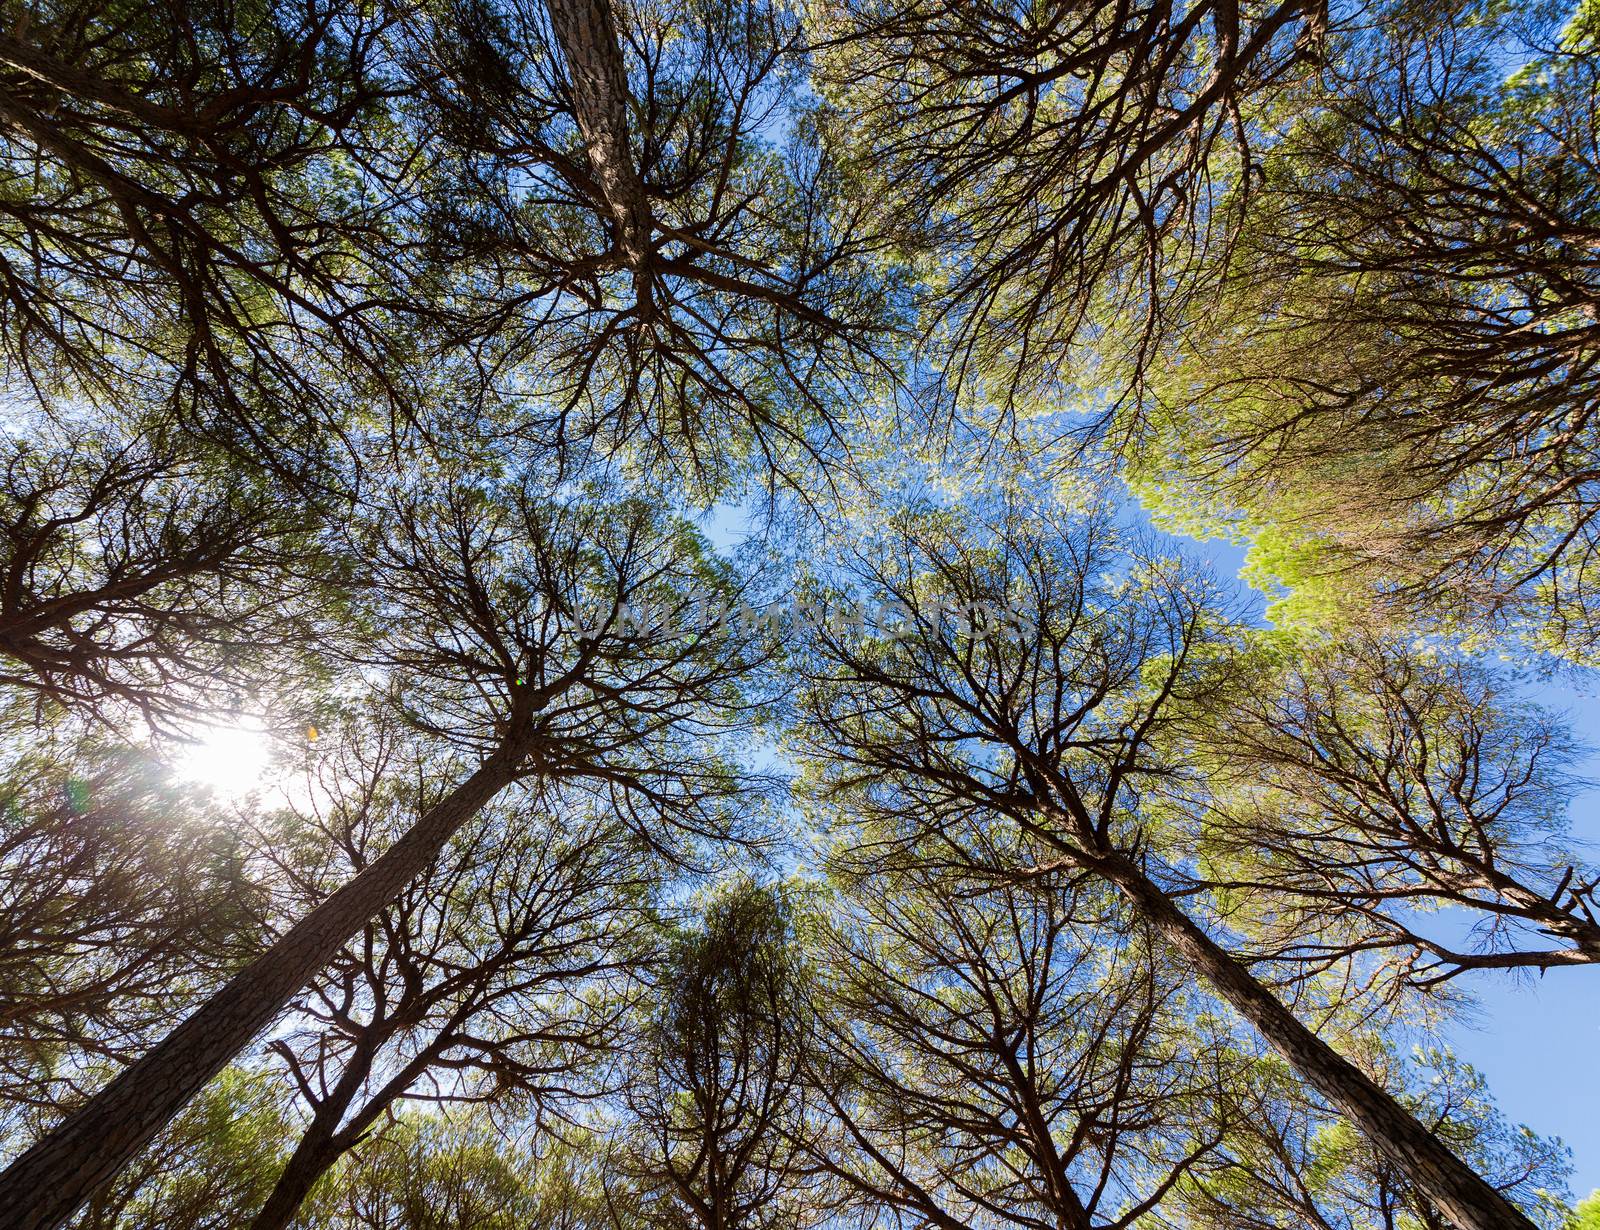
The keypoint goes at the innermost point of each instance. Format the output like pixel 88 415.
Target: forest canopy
pixel 627 613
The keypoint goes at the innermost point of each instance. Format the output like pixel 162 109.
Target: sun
pixel 228 760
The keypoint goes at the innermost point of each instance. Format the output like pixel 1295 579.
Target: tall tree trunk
pixel 48 1183
pixel 587 34
pixel 1463 1195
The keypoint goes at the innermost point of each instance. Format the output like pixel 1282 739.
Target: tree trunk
pixel 318 1148
pixel 311 1159
pixel 587 35
pixel 325 1142
pixel 1462 1195
pixel 48 1183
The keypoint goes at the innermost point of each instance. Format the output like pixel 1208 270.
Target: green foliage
pixel 210 1169
pixel 1586 1216
pixel 458 1173
pixel 1385 397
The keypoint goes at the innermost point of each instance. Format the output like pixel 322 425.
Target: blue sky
pixel 1538 1043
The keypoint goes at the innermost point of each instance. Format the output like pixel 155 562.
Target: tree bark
pixel 51 1181
pixel 1462 1195
pixel 587 34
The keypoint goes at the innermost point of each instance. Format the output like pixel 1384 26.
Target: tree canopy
pixel 605 617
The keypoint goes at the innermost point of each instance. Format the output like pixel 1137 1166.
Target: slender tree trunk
pixel 1463 1195
pixel 316 1151
pixel 587 34
pixel 51 1181
pixel 325 1142
pixel 318 1148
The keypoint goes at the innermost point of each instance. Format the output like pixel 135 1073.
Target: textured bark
pixel 48 1183
pixel 1463 1196
pixel 587 34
